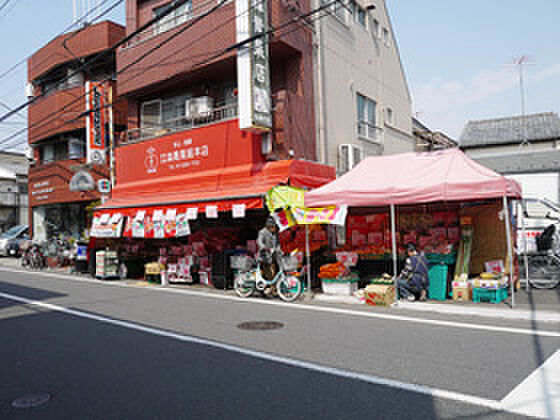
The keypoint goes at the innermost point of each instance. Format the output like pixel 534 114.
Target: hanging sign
pixel 253 68
pixel 284 196
pixel 112 228
pixel 284 219
pixel 335 215
pixel 192 213
pixel 212 212
pixel 183 228
pixel 238 211
pixel 96 121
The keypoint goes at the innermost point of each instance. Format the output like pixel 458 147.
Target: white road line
pixel 305 307
pixel 419 389
pixel 539 394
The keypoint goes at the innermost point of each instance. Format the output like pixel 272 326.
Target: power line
pixel 78 21
pixel 197 66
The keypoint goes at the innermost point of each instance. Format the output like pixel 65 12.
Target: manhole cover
pixel 30 401
pixel 260 325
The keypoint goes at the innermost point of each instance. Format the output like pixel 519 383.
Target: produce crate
pixel 438 282
pixel 343 286
pixel 448 259
pixel 490 295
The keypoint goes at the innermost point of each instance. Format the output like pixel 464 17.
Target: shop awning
pixel 414 178
pixel 238 185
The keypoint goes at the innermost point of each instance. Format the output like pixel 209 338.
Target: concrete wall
pixel 351 60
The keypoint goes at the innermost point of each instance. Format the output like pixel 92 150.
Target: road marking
pixel 305 307
pixel 539 394
pixel 363 377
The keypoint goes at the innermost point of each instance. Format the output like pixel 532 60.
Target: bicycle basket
pixel 241 262
pixel 289 262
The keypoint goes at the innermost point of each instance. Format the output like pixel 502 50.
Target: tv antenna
pixel 519 63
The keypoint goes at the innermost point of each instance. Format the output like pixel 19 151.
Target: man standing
pixel 413 281
pixel 268 247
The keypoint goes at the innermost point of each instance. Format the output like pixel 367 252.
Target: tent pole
pixel 308 257
pixel 510 253
pixel 521 210
pixel 394 249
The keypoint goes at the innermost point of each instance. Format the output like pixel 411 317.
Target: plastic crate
pixel 438 282
pixel 490 295
pixel 343 286
pixel 448 259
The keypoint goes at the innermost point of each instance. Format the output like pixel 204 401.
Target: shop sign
pixel 335 215
pixel 253 67
pixel 238 211
pixel 182 228
pixel 104 186
pixel 96 121
pixel 41 190
pixel 111 228
pixel 82 181
pixel 284 197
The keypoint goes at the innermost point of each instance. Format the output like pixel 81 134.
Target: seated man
pixel 413 281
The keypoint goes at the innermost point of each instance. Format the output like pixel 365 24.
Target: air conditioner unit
pixel 29 90
pixel 190 109
pixel 204 106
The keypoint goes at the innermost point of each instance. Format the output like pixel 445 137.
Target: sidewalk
pixel 537 305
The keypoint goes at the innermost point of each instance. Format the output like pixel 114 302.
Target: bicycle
pixel 544 270
pixel 285 282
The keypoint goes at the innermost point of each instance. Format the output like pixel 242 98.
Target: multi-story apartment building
pixel 13 189
pixel 180 77
pixel 363 101
pixel 63 77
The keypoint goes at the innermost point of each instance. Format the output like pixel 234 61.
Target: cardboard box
pixel 462 294
pixel 379 294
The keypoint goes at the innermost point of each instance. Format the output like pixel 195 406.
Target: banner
pixel 96 121
pixel 284 196
pixel 335 215
pixel 253 67
pixel 284 219
pixel 111 229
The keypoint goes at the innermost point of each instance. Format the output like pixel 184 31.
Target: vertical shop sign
pixel 253 67
pixel 95 122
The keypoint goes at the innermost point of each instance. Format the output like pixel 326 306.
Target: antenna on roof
pixel 519 62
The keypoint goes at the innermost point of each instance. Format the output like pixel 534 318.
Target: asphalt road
pixel 129 352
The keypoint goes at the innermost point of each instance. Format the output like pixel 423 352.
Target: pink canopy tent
pixel 414 178
pixel 417 178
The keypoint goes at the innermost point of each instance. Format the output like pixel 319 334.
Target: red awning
pixel 240 184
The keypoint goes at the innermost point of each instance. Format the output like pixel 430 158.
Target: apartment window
pixel 349 155
pixel 76 148
pixel 177 17
pixel 389 116
pixel 337 9
pixel 52 152
pixel 163 112
pixel 366 118
pixel 385 36
pixel 375 28
pixel 361 16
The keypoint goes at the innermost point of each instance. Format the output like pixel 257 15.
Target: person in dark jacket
pixel 413 281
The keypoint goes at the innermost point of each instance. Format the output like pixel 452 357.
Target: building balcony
pixel 369 132
pixel 91 40
pixel 216 115
pixel 56 113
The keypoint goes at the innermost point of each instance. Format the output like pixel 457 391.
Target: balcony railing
pixel 369 132
pixel 223 113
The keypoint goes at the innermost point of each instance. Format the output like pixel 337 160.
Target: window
pixel 177 17
pixel 52 152
pixel 349 155
pixel 386 36
pixel 375 28
pixel 359 13
pixel 337 9
pixel 76 148
pixel 163 112
pixel 366 118
pixel 389 116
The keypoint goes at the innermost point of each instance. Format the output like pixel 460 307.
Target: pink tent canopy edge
pixel 414 178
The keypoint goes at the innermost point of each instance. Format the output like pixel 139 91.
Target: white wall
pixel 354 61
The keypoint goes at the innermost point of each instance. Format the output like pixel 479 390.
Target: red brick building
pixel 57 126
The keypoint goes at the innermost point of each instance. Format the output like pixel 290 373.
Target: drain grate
pixel 30 401
pixel 260 325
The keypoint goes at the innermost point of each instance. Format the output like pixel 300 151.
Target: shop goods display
pixel 437 276
pixel 340 286
pixel 106 264
pixel 462 292
pixel 490 281
pixel 384 279
pixel 379 295
pixel 464 253
pixel 489 295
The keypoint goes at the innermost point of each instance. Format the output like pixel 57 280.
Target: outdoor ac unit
pixel 29 90
pixel 204 106
pixel 189 109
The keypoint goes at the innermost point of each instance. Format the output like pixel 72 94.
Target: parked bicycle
pixel 60 252
pixel 544 270
pixel 33 257
pixel 286 282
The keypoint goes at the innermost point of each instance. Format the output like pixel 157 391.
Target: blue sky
pixel 455 55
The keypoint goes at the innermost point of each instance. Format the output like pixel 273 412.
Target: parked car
pixel 11 241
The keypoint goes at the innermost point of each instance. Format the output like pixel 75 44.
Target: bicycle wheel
pixel 289 288
pixel 244 285
pixel 544 273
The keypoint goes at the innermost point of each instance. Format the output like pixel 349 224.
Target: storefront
pixel 455 211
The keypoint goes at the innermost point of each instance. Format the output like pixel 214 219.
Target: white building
pixel 14 208
pixel 364 105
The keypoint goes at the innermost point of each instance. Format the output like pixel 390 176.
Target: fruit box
pixel 379 295
pixel 463 294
